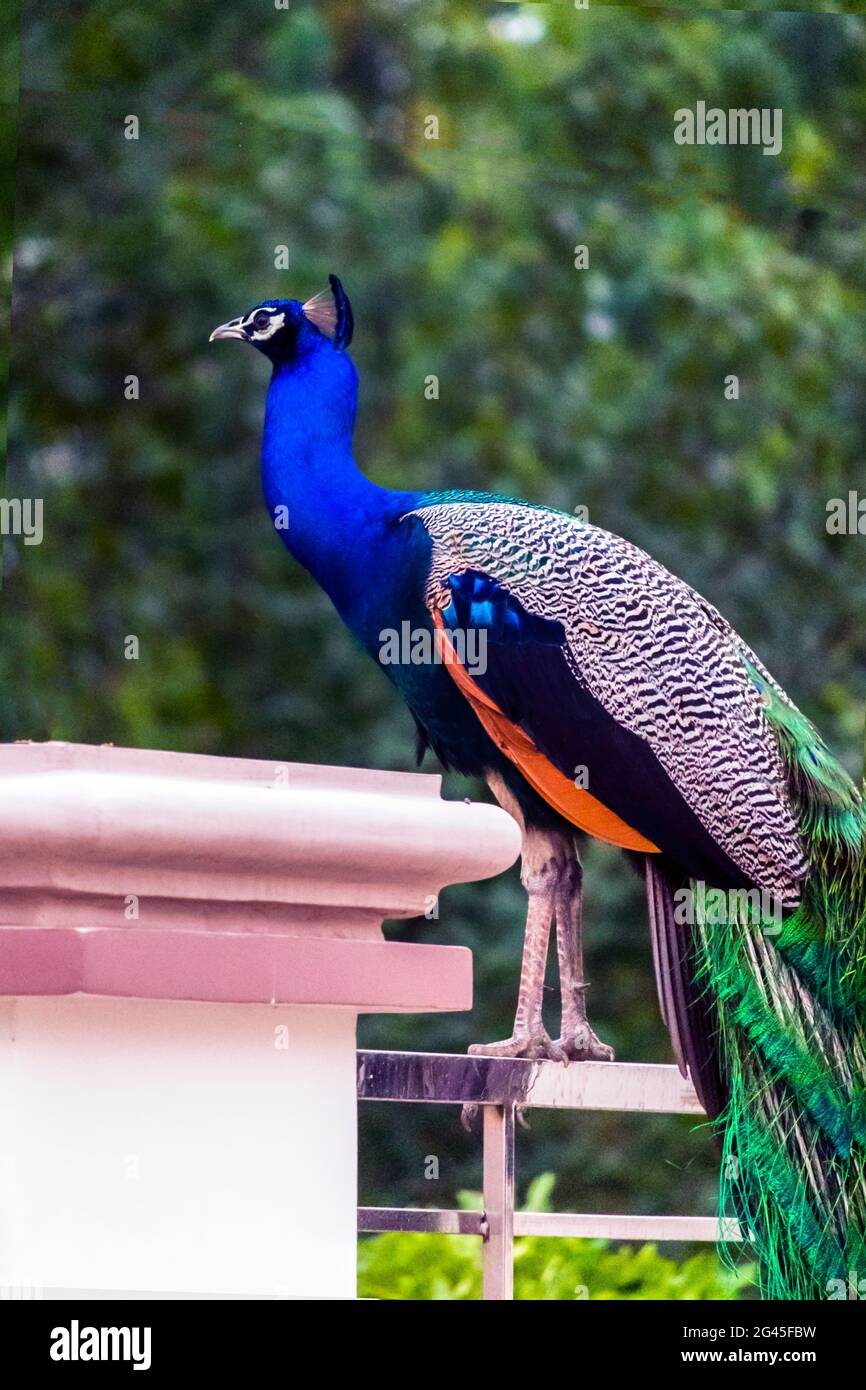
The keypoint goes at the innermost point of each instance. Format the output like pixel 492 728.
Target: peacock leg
pixel 529 1037
pixel 577 1040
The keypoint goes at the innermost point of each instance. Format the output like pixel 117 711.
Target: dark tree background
pixel 602 387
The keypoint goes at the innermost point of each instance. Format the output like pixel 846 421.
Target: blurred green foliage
pixel 414 1267
pixel 10 29
pixel 601 387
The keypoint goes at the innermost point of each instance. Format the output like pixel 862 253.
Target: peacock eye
pixel 261 320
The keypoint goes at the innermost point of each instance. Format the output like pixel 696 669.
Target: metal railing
pixel 499 1087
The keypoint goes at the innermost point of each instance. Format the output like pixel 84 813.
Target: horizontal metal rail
pixel 502 1087
pixel 425 1219
pixel 548 1223
pixel 453 1079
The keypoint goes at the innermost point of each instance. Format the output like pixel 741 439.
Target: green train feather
pixel 790 1004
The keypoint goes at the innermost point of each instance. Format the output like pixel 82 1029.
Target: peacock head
pixel 283 328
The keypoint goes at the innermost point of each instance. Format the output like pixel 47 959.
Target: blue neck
pixel 332 518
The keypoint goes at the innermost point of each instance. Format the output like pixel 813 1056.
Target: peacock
pixel 599 694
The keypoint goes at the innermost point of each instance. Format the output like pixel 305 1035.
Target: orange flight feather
pixel 574 803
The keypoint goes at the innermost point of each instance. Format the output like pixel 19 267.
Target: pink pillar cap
pixel 139 873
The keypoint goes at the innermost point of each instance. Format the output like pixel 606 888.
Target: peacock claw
pixel 583 1046
pixel 467 1114
pixel 469 1110
pixel 535 1046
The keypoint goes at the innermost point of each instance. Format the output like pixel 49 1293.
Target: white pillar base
pixel 176 1148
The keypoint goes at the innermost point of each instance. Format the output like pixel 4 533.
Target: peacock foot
pixel 582 1045
pixel 469 1110
pixel 531 1045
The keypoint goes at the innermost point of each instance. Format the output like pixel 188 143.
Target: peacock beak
pixel 232 329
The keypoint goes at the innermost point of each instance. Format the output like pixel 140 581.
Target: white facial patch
pixel 258 335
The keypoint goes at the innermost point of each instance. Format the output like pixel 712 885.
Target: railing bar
pixel 447 1079
pixel 498 1249
pixel 625 1227
pixel 543 1223
pixel 433 1222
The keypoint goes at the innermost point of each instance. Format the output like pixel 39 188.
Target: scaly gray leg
pixel 577 1040
pixel 529 1037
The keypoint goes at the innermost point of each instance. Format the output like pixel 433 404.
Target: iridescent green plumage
pixel 790 1005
